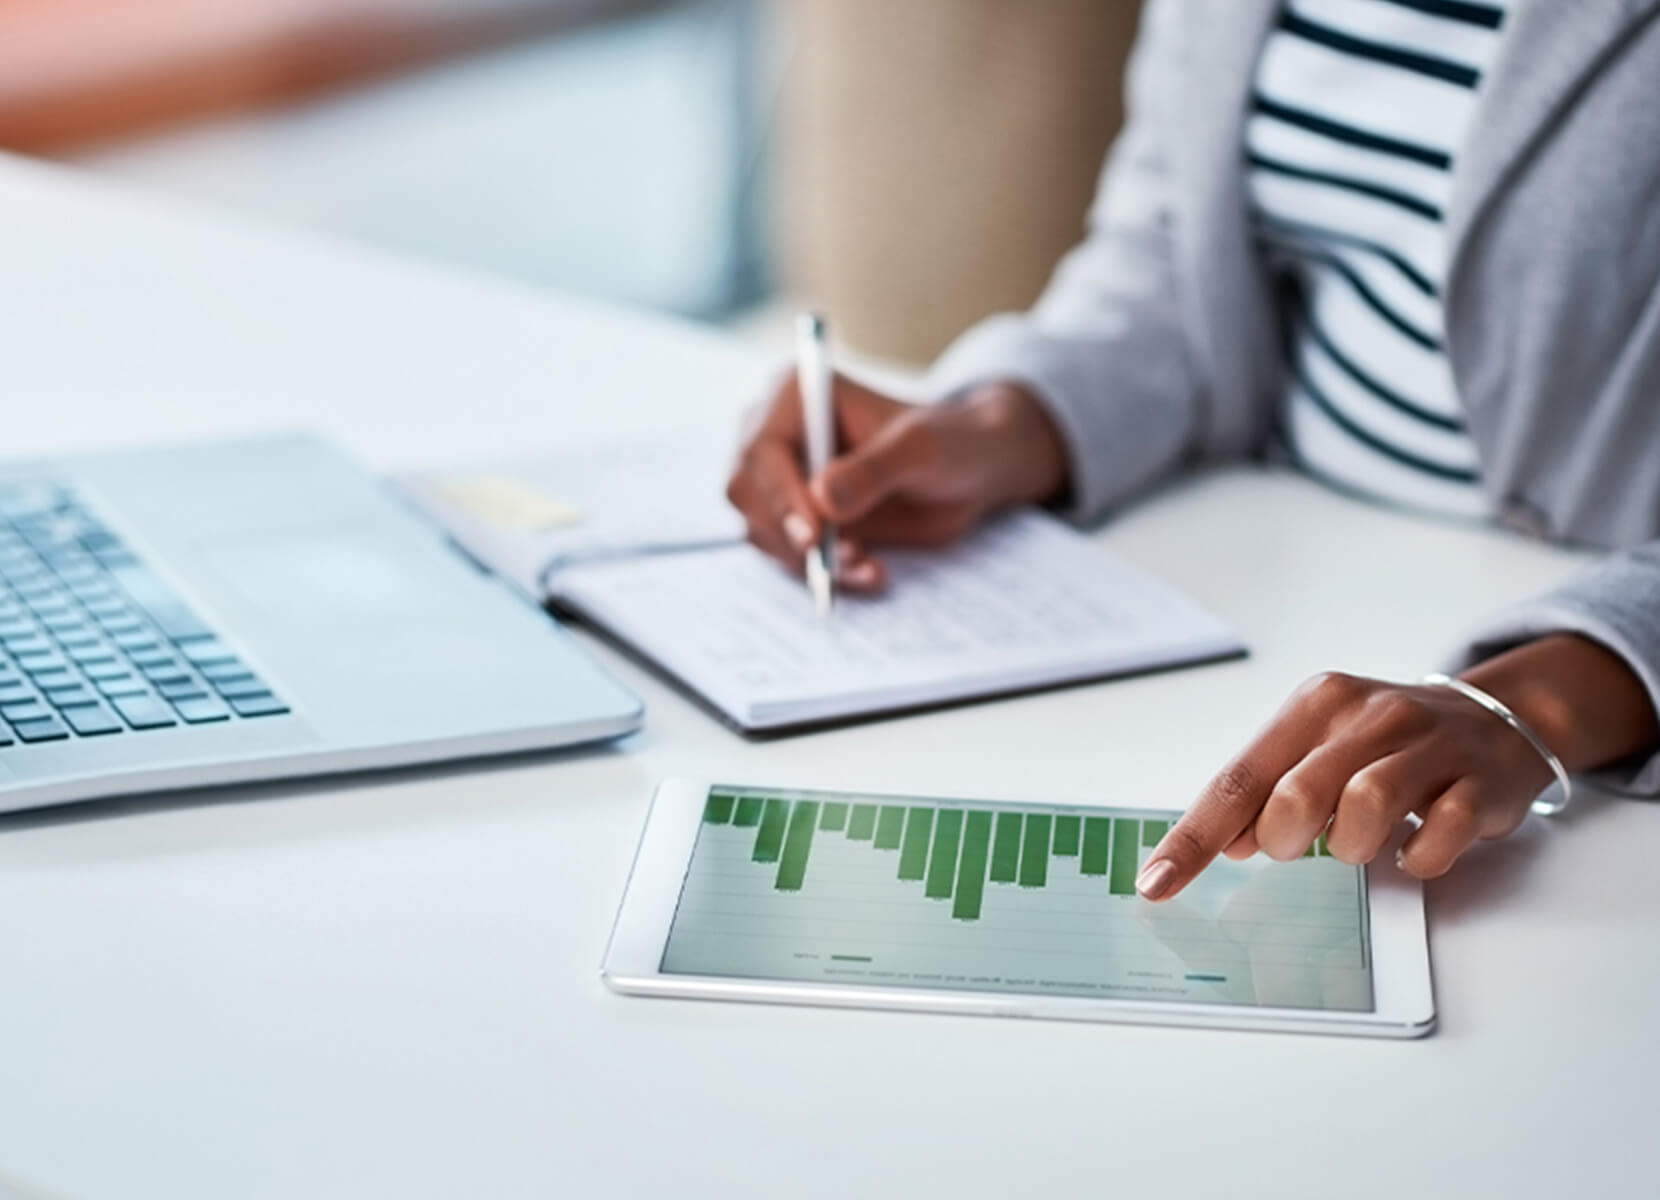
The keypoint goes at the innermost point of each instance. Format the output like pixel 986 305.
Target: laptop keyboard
pixel 93 643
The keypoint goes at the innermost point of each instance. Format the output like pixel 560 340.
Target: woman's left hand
pixel 1351 758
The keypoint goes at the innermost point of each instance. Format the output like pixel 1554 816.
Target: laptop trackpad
pixel 335 577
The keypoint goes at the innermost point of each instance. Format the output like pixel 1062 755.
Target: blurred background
pixel 908 165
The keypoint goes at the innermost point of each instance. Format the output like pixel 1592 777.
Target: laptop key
pixel 15 693
pixel 90 720
pixel 122 685
pixel 207 651
pixel 244 685
pixel 52 677
pixel 105 668
pixel 260 704
pixel 179 689
pixel 6 738
pixel 41 660
pixel 47 729
pixel 90 654
pixel 143 712
pixel 66 693
pixel 201 709
pixel 226 669
pixel 25 710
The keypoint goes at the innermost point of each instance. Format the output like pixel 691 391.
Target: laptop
pixel 264 609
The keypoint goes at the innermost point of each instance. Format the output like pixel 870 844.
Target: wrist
pixel 1030 458
pixel 1582 699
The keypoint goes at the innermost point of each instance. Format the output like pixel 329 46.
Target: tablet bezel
pixel 1404 1000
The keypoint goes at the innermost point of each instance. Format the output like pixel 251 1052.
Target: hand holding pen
pixel 897 474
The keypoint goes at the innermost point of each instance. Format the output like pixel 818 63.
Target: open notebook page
pixel 1025 602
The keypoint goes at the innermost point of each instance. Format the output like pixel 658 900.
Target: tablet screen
pixel 888 892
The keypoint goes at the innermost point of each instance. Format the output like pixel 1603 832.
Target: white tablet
pixel 1028 910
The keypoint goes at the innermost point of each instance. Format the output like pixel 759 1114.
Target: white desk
pixel 389 987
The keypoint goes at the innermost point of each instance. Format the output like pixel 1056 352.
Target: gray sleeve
pixel 1104 347
pixel 1616 604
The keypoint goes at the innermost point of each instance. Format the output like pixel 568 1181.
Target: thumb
pixel 861 479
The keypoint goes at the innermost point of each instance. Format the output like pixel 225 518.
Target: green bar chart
pixel 841 889
pixel 954 853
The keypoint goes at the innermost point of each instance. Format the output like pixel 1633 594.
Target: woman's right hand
pixel 904 475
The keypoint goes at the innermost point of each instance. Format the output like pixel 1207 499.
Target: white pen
pixel 812 364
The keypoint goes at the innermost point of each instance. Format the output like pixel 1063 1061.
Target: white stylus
pixel 812 364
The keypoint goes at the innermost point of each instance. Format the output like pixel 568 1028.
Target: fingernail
pixel 799 530
pixel 1155 878
pixel 861 574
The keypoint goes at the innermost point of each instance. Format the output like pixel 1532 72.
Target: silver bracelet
pixel 1554 798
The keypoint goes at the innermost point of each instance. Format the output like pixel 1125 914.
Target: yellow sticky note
pixel 507 503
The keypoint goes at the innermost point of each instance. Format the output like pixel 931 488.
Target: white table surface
pixel 389 987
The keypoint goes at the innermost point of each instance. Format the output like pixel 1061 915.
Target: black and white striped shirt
pixel 1359 108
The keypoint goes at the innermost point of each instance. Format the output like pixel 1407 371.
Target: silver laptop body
pixel 183 617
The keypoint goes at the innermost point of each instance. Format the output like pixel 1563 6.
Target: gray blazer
pixel 1156 343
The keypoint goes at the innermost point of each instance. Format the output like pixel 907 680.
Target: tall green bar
pixel 834 818
pixel 971 868
pixel 1034 850
pixel 792 863
pixel 1320 847
pixel 913 853
pixel 1005 848
pixel 942 862
pixel 769 838
pixel 718 809
pixel 1152 832
pixel 748 812
pixel 1097 838
pixel 1067 831
pixel 890 827
pixel 861 822
pixel 1126 841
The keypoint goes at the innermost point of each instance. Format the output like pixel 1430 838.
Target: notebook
pixel 1024 603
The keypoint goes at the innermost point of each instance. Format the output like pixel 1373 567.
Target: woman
pixel 1414 246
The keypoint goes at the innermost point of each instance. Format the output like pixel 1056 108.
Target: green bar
pixel 769 838
pixel 913 855
pixel 1097 837
pixel 889 827
pixel 718 810
pixel 835 818
pixel 1005 849
pixel 749 811
pixel 1067 831
pixel 1034 851
pixel 861 823
pixel 1313 849
pixel 971 870
pixel 1126 840
pixel 1153 831
pixel 942 864
pixel 1320 847
pixel 792 865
